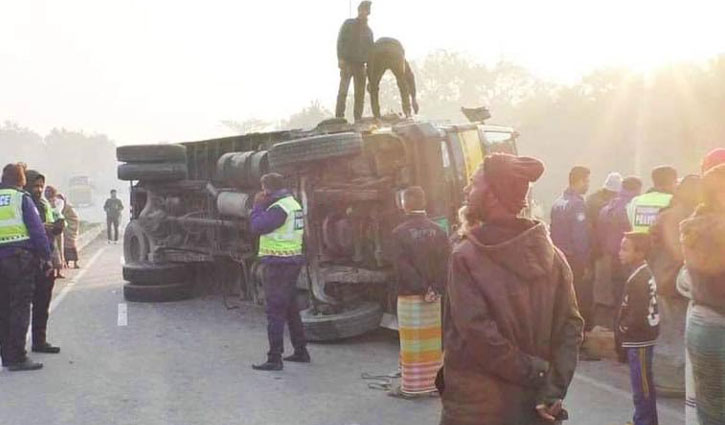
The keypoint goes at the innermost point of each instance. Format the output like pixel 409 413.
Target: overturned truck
pixel 191 202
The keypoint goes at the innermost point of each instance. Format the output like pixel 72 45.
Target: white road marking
pixel 122 314
pixel 64 292
pixel 667 411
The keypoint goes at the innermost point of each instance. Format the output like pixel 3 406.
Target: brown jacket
pixel 512 326
pixel 666 260
pixel 703 244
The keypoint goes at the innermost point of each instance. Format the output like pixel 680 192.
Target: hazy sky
pixel 144 71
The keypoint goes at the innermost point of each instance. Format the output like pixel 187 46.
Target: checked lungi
pixel 419 325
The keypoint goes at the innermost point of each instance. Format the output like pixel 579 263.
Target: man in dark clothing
pixel 354 43
pixel 23 247
pixel 512 327
pixel 570 231
pixel 388 54
pixel 420 254
pixel 279 220
pixel 113 208
pixel 598 264
pixel 597 200
pixel 44 279
pixel 612 224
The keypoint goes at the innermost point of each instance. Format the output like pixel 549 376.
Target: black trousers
pixel 280 293
pixel 112 224
pixel 41 304
pixel 356 72
pixel 17 276
pixel 375 75
pixel 584 287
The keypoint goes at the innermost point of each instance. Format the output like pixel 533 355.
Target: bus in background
pixel 80 191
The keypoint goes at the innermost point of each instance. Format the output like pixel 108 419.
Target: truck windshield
pixel 500 141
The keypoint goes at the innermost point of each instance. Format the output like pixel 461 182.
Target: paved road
pixel 188 363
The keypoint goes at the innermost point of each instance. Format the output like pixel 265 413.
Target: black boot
pixel 27 364
pixel 270 364
pixel 45 348
pixel 299 356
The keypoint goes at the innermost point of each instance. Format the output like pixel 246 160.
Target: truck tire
pixel 151 153
pixel 155 274
pixel 295 153
pixel 157 293
pixel 356 321
pixel 152 171
pixel 136 246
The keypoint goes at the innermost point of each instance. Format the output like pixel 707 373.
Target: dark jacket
pixel 38 242
pixel 638 321
pixel 113 207
pixel 613 223
pixel 570 228
pixel 354 41
pixel 265 220
pixel 420 255
pixel 594 203
pixel 512 326
pixel 703 244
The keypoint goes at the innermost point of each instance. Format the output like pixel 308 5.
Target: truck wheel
pixel 152 171
pixel 289 155
pixel 136 247
pixel 151 153
pixel 356 321
pixel 155 274
pixel 157 293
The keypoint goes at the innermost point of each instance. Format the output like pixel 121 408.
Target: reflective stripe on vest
pixel 12 226
pixel 643 210
pixel 286 240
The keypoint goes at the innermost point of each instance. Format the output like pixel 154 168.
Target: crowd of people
pixel 512 299
pixel 626 248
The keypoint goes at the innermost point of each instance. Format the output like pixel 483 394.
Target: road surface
pixel 188 363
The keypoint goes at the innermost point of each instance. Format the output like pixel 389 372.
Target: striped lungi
pixel 705 336
pixel 419 325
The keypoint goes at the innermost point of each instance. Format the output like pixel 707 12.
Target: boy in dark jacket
pixel 638 325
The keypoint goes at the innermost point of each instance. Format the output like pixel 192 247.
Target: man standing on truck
pixel 354 43
pixel 279 220
pixel 420 253
pixel 113 208
pixel 388 54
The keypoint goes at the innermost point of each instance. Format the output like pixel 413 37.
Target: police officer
pixel 643 210
pixel 279 220
pixel 23 245
pixel 44 279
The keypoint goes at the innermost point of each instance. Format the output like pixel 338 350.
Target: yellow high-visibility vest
pixel 12 225
pixel 286 240
pixel 643 210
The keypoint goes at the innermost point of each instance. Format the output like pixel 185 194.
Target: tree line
pixel 612 119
